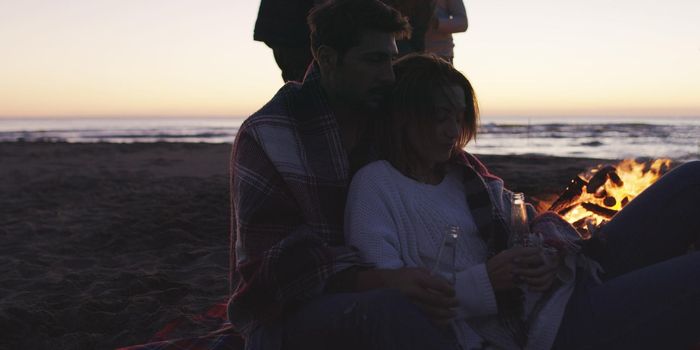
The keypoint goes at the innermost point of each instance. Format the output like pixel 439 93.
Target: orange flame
pixel 614 195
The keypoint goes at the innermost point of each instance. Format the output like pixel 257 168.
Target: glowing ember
pixel 598 194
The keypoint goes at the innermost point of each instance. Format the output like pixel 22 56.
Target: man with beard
pixel 294 282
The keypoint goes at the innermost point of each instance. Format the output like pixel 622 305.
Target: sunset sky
pixel 197 58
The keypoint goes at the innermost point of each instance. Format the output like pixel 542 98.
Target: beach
pixel 104 244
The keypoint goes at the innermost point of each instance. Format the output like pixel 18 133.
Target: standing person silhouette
pixel 419 13
pixel 281 25
pixel 449 17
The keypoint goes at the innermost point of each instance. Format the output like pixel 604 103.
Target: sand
pixel 104 244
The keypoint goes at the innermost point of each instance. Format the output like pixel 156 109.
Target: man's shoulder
pixel 280 102
pixel 295 106
pixel 279 128
pixel 277 110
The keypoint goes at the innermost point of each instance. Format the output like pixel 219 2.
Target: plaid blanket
pixel 225 337
pixel 289 180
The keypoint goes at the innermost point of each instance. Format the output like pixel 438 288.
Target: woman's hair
pixel 412 104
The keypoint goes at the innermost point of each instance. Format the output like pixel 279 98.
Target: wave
pixel 612 140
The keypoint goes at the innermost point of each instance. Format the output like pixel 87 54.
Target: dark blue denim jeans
pixel 380 319
pixel 650 295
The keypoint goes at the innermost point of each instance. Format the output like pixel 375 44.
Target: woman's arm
pixel 369 224
pixel 474 292
pixel 475 285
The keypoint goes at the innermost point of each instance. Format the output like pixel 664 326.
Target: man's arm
pixel 278 261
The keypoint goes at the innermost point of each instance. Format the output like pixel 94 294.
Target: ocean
pixel 677 138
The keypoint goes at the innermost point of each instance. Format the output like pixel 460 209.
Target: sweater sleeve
pixel 456 21
pixel 369 223
pixel 475 294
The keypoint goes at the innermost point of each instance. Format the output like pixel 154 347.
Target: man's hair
pixel 339 24
pixel 411 104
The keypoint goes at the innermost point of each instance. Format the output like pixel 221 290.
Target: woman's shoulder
pixel 373 170
pixel 378 177
pixel 373 183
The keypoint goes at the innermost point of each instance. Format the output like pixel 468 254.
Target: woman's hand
pixel 539 273
pixel 432 294
pixel 503 269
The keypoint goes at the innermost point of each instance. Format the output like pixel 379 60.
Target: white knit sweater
pixel 398 222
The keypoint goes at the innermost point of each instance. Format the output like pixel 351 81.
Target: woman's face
pixel 434 144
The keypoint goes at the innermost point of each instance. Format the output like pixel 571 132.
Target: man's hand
pixel 432 294
pixel 503 269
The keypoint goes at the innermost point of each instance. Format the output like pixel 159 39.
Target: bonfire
pixel 594 197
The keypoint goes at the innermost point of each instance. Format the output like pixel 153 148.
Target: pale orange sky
pixel 197 58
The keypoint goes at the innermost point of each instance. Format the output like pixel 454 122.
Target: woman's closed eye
pixel 445 114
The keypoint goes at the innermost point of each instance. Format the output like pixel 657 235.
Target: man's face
pixel 364 76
